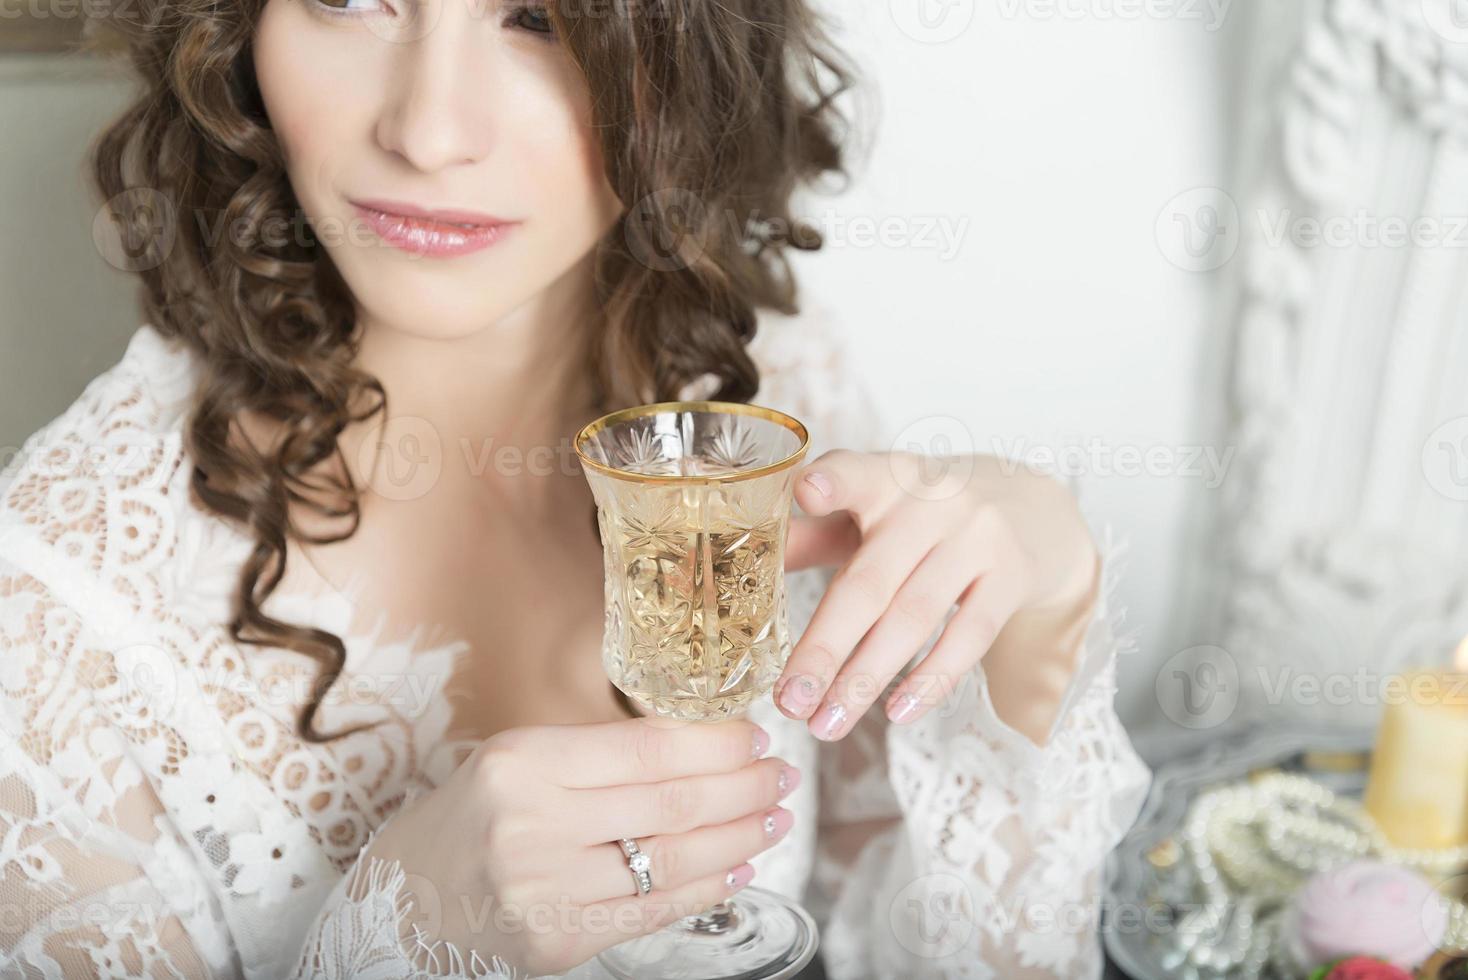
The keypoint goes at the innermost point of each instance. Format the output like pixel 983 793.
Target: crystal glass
pixel 693 503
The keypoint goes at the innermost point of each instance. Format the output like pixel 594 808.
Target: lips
pixel 432 232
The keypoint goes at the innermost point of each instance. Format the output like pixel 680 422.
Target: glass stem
pixel 721 918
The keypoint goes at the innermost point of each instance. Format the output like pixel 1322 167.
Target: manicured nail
pixel 800 695
pixel 761 743
pixel 830 721
pixel 739 877
pixel 903 708
pixel 820 483
pixel 788 780
pixel 777 821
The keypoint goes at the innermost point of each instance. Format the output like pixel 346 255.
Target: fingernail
pixel 903 708
pixel 820 483
pixel 788 780
pixel 739 877
pixel 777 821
pixel 830 721
pixel 799 695
pixel 761 743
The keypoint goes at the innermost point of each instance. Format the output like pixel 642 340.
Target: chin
pixel 437 314
pixel 442 299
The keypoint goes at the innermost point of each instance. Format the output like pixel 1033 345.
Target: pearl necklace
pixel 1251 845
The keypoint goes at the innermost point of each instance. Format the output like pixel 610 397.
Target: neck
pixel 498 408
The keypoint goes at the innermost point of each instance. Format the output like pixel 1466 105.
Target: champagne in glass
pixel 693 504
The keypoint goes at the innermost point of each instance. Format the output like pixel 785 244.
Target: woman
pixel 301 667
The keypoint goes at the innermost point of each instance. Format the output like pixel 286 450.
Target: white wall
pixel 1058 139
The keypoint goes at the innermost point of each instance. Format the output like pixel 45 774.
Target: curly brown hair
pixel 703 111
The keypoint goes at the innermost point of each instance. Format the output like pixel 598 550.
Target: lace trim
pixel 359 933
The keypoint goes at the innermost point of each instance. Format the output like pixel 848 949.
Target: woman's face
pixel 442 152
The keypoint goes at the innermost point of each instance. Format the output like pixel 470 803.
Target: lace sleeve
pixel 94 882
pixel 955 846
pixel 95 878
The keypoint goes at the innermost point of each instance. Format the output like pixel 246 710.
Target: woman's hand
pixel 515 854
pixel 914 535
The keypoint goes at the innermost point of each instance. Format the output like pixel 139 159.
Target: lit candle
pixel 1418 788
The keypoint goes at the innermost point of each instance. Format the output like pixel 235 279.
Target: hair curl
pixel 705 112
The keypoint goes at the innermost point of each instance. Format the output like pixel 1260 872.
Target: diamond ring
pixel 639 864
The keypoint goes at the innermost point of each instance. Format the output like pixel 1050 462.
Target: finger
pixel 680 859
pixel 917 609
pixel 646 750
pixel 971 631
pixel 860 591
pixel 842 479
pixel 820 541
pixel 633 917
pixel 680 805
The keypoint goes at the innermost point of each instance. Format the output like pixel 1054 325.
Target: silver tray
pixel 1134 886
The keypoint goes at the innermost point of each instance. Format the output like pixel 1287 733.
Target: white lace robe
pixel 159 817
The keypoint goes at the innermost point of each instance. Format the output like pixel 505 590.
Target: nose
pixel 437 113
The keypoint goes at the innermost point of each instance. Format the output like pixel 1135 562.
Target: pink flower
pixel 1365 908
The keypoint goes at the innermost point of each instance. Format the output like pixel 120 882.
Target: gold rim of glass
pixel 735 408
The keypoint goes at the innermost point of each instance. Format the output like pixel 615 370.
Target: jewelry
pixel 1249 846
pixel 639 864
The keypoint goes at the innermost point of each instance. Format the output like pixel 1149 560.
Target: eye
pixel 348 6
pixel 532 18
